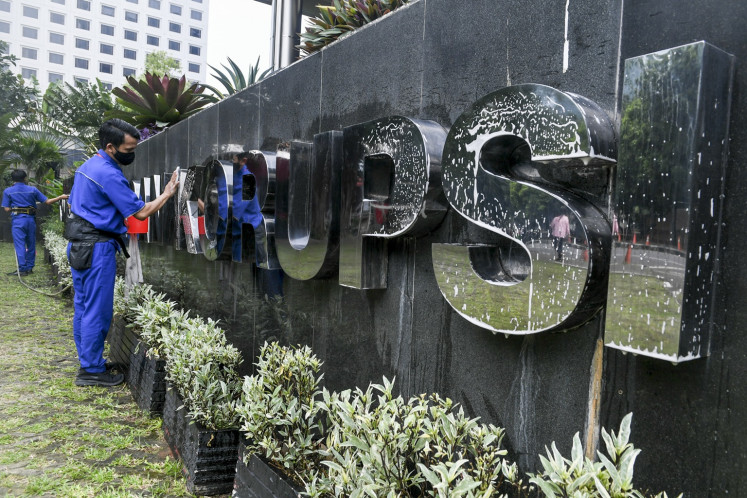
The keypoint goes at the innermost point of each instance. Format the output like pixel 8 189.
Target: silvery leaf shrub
pixel 278 409
pixel 57 247
pixel 610 477
pixel 381 445
pixel 202 367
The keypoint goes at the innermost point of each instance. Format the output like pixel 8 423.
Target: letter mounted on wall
pixel 528 163
pixel 669 189
pixel 390 187
pixel 307 207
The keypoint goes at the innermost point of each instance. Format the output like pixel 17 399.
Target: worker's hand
pixel 173 185
pixel 64 196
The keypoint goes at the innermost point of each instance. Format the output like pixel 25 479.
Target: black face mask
pixel 124 158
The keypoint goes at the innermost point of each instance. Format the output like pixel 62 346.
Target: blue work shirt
pixel 22 195
pixel 244 211
pixel 102 195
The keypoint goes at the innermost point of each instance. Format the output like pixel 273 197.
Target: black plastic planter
pixel 256 479
pixel 208 456
pixel 122 342
pixel 146 378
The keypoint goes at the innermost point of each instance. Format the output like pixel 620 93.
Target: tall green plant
pixel 79 110
pixel 156 102
pixel 233 79
pixel 39 155
pixel 338 20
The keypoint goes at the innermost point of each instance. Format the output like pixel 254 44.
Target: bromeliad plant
pixel 340 19
pixel 155 102
pixel 233 79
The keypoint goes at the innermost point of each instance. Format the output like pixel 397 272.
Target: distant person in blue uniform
pixel 20 200
pixel 100 200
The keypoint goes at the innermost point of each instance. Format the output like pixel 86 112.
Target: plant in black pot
pixel 279 415
pixel 200 420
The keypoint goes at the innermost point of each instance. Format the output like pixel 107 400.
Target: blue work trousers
pixel 23 227
pixel 93 303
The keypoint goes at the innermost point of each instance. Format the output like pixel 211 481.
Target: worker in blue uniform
pixel 100 200
pixel 20 200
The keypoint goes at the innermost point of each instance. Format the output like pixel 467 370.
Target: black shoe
pixel 24 273
pixel 14 272
pixel 102 379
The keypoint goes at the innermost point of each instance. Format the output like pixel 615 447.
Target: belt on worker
pixel 23 210
pixel 79 229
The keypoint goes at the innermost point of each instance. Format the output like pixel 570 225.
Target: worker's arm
pixel 151 207
pixel 58 198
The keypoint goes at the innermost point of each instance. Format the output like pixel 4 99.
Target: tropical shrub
pixel 233 79
pixel 156 102
pixel 57 247
pixel 279 409
pixel 338 20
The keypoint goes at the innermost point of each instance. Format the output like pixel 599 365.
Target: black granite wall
pixel 431 60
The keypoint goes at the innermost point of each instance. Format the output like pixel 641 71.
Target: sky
pixel 241 30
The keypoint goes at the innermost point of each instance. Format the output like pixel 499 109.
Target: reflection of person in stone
pixel 100 200
pixel 20 200
pixel 560 229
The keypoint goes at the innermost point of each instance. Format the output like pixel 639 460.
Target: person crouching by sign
pixel 100 200
pixel 20 200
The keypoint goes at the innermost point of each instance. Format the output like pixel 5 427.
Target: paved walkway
pixel 57 439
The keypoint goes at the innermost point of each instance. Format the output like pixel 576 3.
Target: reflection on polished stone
pixel 307 207
pixel 390 187
pixel 505 161
pixel 667 214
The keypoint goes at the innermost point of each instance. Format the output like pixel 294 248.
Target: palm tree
pixel 39 155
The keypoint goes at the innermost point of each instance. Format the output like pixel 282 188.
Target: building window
pixel 152 40
pixel 128 71
pixel 106 68
pixel 81 63
pixel 82 81
pixel 107 30
pixel 29 32
pixel 175 9
pixel 197 1
pixel 175 27
pixel 82 44
pixel 194 50
pixel 4 6
pixel 56 18
pixel 4 27
pixel 130 54
pixel 132 1
pixel 57 38
pixel 154 23
pixel 28 73
pixel 174 45
pixel 107 10
pixel 56 58
pixel 195 33
pixel 29 53
pixel 130 35
pixel 31 12
pixel 154 4
pixel 61 2
pixel 196 15
pixel 194 68
pixel 130 16
pixel 107 86
pixel 84 4
pixel 55 77
pixel 107 49
pixel 83 24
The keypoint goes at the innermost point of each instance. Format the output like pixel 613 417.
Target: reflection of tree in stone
pixel 656 137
